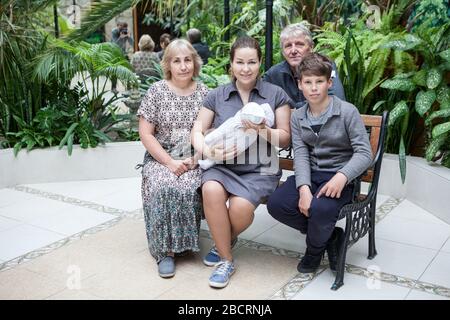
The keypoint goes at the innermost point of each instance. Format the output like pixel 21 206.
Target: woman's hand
pixel 248 125
pixel 177 167
pixel 190 163
pixel 304 203
pixel 219 153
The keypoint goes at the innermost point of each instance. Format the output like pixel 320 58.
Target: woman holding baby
pixel 246 179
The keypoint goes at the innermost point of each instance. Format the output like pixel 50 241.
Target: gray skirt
pixel 253 185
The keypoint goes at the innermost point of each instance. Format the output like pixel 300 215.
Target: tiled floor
pixel 86 240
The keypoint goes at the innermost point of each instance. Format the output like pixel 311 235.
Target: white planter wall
pixel 427 185
pixel 114 160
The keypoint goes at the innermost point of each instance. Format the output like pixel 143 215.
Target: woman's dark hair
pixel 245 42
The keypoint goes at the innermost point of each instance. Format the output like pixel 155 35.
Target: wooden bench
pixel 360 213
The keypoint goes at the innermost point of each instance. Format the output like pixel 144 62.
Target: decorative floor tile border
pixel 58 244
pixel 287 292
pixel 72 201
pixel 399 280
pixel 119 214
pixel 299 282
pixel 386 207
pixel 295 285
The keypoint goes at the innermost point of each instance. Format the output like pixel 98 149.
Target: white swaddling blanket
pixel 231 132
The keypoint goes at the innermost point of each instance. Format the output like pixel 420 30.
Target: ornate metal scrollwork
pixel 285 153
pixel 360 224
pixel 359 216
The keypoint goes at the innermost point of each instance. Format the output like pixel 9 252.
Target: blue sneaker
pixel 212 257
pixel 221 276
pixel 166 267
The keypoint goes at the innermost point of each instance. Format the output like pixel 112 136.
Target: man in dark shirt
pixel 194 36
pixel 296 42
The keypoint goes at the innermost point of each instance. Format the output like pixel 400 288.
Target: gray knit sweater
pixel 341 146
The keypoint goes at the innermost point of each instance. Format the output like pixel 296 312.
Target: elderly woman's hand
pixel 190 163
pixel 177 167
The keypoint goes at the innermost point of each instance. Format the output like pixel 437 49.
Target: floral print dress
pixel 172 205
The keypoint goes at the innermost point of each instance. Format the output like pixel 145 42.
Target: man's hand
pixel 334 187
pixel 304 203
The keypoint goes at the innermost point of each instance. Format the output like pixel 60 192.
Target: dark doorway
pixel 155 30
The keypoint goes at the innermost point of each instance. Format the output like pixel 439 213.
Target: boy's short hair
pixel 314 64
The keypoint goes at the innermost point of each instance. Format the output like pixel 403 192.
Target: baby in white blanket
pixel 232 132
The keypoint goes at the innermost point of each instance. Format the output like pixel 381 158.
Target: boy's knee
pixel 323 208
pixel 278 205
pixel 275 204
pixel 319 207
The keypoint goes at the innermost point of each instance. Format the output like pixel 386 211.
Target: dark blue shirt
pixel 203 51
pixel 282 76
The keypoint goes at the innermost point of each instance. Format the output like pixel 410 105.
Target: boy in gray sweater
pixel 331 148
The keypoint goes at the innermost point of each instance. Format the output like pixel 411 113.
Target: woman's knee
pixel 241 207
pixel 213 191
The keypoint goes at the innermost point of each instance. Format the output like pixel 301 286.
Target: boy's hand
pixel 304 203
pixel 333 188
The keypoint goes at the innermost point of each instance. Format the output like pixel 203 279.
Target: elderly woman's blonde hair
pixel 170 51
pixel 146 43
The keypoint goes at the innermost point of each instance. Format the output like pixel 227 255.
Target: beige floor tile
pixel 22 284
pixel 250 280
pixel 192 264
pixel 128 234
pixel 77 260
pixel 195 288
pixel 257 267
pixel 73 294
pixel 94 254
pixel 137 279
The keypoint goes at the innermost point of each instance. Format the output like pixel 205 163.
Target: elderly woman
pixel 144 60
pixel 172 206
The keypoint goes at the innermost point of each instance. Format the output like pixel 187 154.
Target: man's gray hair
pixel 296 30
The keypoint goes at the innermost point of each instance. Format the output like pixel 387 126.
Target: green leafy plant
pixel 67 123
pixel 428 89
pixel 362 63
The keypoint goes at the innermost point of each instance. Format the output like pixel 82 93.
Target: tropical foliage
pixel 36 75
pixel 391 55
pixel 427 88
pixel 383 66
